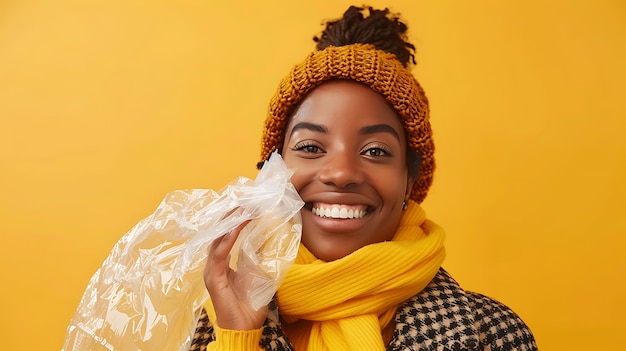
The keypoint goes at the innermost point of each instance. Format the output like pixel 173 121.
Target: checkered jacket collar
pixel 438 318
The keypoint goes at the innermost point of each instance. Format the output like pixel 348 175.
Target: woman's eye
pixel 306 147
pixel 376 152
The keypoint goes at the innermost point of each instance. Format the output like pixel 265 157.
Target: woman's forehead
pixel 345 102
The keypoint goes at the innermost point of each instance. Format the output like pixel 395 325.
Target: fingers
pixel 231 311
pixel 216 271
pixel 220 249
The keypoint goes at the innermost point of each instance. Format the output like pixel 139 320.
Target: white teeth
pixel 337 212
pixel 343 213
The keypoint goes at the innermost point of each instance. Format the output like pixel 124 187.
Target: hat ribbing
pixel 379 70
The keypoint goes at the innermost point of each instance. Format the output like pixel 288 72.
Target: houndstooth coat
pixel 442 317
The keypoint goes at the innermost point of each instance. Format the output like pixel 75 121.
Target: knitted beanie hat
pixel 379 70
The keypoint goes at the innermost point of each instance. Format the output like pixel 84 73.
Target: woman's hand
pixel 231 312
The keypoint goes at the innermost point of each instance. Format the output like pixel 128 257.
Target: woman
pixel 352 122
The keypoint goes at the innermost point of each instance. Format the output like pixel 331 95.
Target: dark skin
pixel 347 148
pixel 231 312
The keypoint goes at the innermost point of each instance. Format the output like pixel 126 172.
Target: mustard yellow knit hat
pixel 379 70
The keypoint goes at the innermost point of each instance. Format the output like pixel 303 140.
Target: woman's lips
pixel 339 211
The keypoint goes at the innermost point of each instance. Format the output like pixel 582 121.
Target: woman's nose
pixel 341 170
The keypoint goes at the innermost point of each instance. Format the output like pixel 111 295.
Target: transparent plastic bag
pixel 149 292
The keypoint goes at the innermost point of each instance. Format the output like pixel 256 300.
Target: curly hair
pixel 366 25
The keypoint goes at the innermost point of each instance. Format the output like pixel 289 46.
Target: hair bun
pixel 366 25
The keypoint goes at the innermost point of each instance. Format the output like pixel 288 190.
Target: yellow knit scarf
pixel 346 303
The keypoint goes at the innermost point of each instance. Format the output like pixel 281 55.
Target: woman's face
pixel 347 148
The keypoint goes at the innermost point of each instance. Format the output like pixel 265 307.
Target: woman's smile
pixel 336 219
pixel 339 211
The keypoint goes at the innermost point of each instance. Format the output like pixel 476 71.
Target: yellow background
pixel 105 106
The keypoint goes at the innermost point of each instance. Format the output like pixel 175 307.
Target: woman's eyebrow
pixel 379 128
pixel 309 126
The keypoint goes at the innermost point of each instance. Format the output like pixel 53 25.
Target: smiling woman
pixel 106 106
pixel 345 143
pixel 353 124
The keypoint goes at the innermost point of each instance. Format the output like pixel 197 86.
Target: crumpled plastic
pixel 149 292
